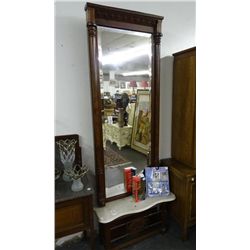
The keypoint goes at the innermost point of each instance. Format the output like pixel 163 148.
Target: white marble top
pixel 127 205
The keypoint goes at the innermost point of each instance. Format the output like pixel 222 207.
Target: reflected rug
pixel 113 159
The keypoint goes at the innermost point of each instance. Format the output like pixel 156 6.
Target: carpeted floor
pixel 113 158
pixel 171 240
pixel 124 158
pixel 138 159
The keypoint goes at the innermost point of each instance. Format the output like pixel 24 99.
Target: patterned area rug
pixel 113 159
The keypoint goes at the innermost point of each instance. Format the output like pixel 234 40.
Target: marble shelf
pixel 127 205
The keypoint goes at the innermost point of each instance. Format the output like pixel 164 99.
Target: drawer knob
pixel 192 179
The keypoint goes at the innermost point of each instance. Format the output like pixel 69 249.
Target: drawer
pixel 71 217
pixel 129 229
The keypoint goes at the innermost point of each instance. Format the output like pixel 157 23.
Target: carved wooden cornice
pixel 124 16
pixel 127 18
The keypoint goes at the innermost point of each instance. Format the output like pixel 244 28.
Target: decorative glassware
pixel 67 155
pixel 76 173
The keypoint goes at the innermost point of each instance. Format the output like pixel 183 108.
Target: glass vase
pixel 77 185
pixel 67 156
pixel 67 168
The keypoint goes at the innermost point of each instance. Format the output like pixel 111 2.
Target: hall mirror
pixel 125 78
pixel 124 58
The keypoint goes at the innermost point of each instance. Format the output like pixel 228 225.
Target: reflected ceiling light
pixel 137 73
pixel 125 55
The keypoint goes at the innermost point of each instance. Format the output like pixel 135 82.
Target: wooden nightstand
pixel 74 211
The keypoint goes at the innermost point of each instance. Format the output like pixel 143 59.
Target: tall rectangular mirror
pixel 125 88
pixel 124 49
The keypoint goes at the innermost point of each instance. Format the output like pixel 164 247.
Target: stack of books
pixel 151 182
pixel 129 172
pixel 139 187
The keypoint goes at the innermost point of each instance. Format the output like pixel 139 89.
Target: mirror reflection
pixel 125 86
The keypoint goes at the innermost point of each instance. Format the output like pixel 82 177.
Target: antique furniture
pixel 104 22
pixel 182 164
pixel 121 44
pixel 121 136
pixel 73 210
pixel 108 112
pixel 124 222
pixel 183 184
pixel 183 114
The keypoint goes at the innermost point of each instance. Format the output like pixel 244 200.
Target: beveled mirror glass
pixel 125 87
pixel 124 49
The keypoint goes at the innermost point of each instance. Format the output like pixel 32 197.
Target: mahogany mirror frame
pixel 99 15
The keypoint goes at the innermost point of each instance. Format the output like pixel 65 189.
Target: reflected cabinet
pixel 124 58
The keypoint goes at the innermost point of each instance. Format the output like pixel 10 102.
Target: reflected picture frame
pixel 141 133
pixel 122 85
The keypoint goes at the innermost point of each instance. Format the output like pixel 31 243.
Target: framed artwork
pixel 122 85
pixel 117 85
pixel 114 83
pixel 141 134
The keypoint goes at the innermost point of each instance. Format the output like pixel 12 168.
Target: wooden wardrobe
pixel 182 162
